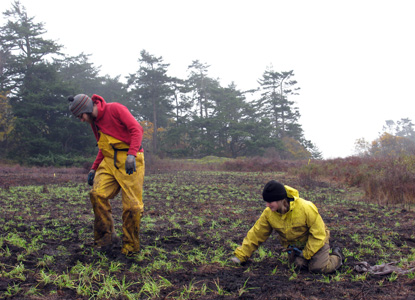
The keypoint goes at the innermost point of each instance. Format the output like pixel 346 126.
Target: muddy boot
pixel 300 263
pixel 112 249
pixel 109 243
pixel 102 243
pixel 116 240
pixel 125 250
pixel 338 252
pixel 234 260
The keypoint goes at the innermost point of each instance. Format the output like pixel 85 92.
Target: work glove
pixel 235 260
pixel 130 164
pixel 296 252
pixel 91 176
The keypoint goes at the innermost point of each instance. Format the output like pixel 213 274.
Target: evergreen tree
pixel 181 104
pixel 229 121
pixel 275 88
pixel 42 127
pixel 82 77
pixel 200 85
pixel 175 140
pixel 22 47
pixel 79 74
pixel 192 117
pixel 6 121
pixel 261 137
pixel 26 69
pixel 112 89
pixel 151 93
pixel 202 89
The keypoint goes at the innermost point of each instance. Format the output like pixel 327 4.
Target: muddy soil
pixel 354 225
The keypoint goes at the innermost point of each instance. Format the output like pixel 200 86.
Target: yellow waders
pixel 110 177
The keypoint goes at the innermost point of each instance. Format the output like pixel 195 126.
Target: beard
pixel 284 209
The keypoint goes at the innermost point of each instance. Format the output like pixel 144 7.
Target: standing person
pixel 118 165
pixel 299 226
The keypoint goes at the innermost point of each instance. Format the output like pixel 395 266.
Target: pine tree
pixel 22 48
pixel 151 93
pixel 275 88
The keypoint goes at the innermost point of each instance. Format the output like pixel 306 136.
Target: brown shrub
pixel 257 164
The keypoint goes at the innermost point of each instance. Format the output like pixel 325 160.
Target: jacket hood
pixel 101 103
pixel 291 192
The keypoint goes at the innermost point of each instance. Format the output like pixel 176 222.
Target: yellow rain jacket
pixel 301 226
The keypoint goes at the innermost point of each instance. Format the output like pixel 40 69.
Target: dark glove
pixel 130 164
pixel 91 176
pixel 295 250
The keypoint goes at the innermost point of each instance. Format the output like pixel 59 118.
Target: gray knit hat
pixel 80 104
pixel 274 191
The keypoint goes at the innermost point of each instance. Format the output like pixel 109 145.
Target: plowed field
pixel 192 223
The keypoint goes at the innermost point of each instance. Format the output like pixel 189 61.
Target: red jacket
pixel 116 120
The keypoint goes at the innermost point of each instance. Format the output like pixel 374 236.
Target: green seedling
pixel 393 277
pixel 188 290
pixel 46 277
pixel 219 290
pixel 359 277
pixel 45 261
pixel 17 272
pixel 245 289
pixel 152 288
pixel 325 279
pixel 13 290
pixel 64 281
pixel 115 267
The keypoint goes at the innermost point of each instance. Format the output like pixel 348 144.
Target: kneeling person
pixel 299 226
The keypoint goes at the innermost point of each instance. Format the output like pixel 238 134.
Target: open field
pixel 193 221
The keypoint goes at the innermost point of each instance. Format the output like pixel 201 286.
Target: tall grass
pixel 386 180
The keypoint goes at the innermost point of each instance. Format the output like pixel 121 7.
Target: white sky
pixel 353 60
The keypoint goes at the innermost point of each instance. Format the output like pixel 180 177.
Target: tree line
pixel 182 117
pixel 396 139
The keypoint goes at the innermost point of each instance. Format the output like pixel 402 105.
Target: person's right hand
pixel 91 176
pixel 292 250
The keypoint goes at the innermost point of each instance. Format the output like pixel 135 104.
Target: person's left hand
pixel 130 164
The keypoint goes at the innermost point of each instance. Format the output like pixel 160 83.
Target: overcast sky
pixel 353 60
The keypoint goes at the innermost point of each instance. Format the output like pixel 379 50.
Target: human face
pixel 281 206
pixel 89 118
pixel 85 118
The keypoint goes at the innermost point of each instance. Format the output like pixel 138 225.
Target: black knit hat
pixel 274 191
